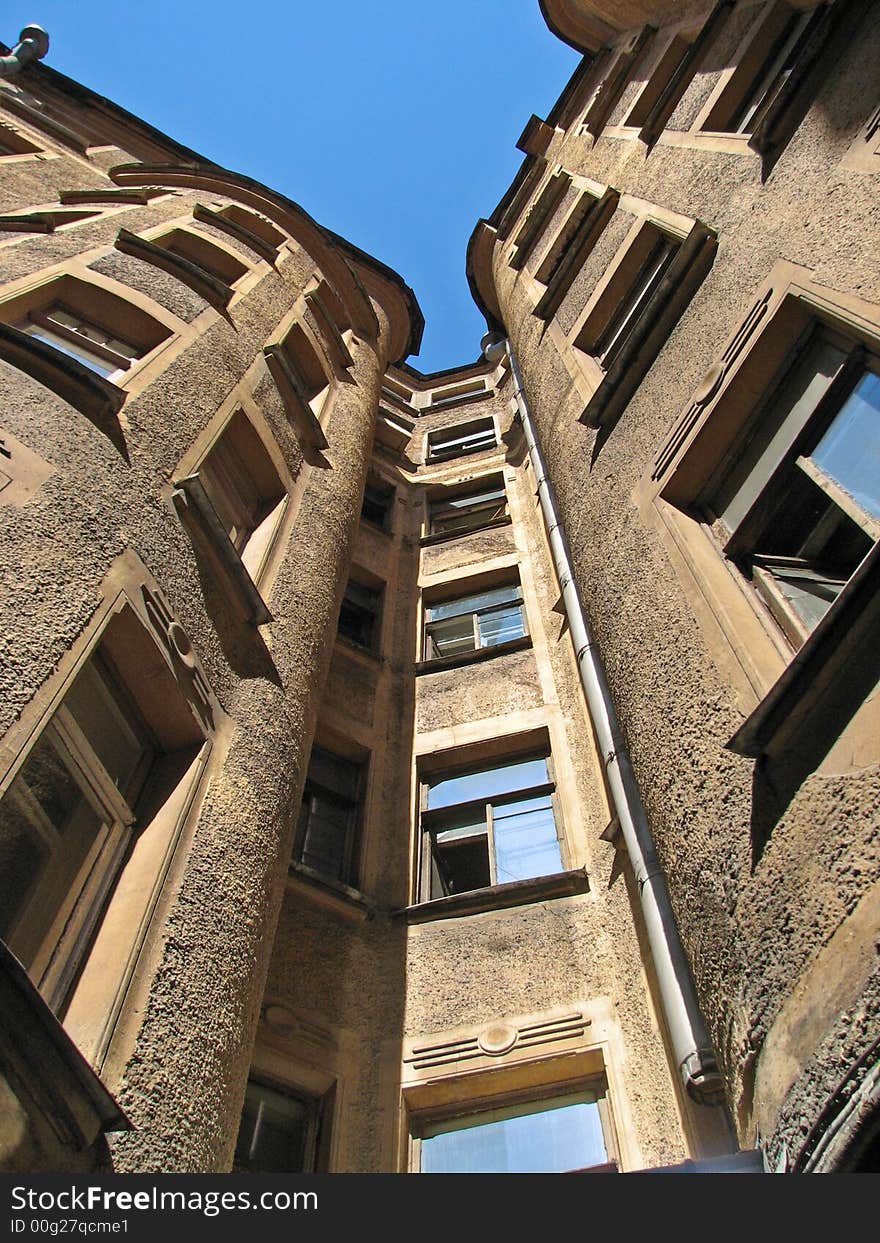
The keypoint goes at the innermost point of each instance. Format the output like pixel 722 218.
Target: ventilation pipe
pixel 33 44
pixel 690 1040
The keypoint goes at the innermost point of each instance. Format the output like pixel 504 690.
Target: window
pixel 636 305
pixel 95 346
pixel 488 826
pixel 117 744
pixel 541 212
pixel 330 816
pixel 471 437
pixel 663 71
pixel 782 53
pixel 798 504
pixel 471 623
pixel 628 298
pixel 245 490
pixel 279 1132
pixel 549 1135
pixel 378 505
pixel 360 615
pixel 14 143
pixel 468 511
pixel 302 380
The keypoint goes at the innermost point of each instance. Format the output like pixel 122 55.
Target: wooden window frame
pixel 607 391
pixel 431 655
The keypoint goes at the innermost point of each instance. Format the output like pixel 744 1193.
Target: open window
pixel 81 340
pixel 772 463
pixel 282 1130
pixel 106 769
pixel 797 503
pixel 489 824
pixel 465 438
pixel 476 622
pixel 456 511
pixel 328 830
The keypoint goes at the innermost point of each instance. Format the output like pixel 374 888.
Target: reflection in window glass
pixel 278 1132
pixel 548 1137
pixel 505 779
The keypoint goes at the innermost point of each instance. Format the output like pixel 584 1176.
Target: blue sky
pixel 391 122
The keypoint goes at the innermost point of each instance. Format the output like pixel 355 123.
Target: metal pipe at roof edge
pixel 689 1037
pixel 33 44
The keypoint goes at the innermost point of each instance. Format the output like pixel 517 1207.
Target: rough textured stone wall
pixel 754 921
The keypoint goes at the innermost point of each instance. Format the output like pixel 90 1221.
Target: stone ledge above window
pixel 192 501
pixel 214 291
pixel 441 663
pixel 98 399
pixel 499 897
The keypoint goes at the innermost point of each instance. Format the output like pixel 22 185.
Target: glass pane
pixel 850 450
pixel 567 1136
pixel 72 351
pixel 335 773
pixel 275 1133
pixel 526 844
pixel 488 783
pixel 22 856
pixel 323 834
pixel 110 725
pixel 450 637
pixel 779 426
pixel 47 828
pixel 472 604
pixel 474 498
pixel 501 626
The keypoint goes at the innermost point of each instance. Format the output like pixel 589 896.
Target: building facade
pixel 420 772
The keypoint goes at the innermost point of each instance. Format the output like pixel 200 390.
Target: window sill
pixel 440 663
pixel 329 894
pixel 442 537
pixel 372 660
pixel 499 897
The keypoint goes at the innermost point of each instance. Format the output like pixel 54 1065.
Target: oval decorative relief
pixel 497 1039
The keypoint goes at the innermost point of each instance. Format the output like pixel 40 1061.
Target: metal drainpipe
pixel 33 44
pixel 690 1040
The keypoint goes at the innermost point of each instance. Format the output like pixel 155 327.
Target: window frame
pixel 780 692
pixel 90 926
pixel 446 498
pixel 516 1103
pixel 319 1128
pixel 355 810
pixel 607 390
pixel 431 820
pixel 374 610
pixel 431 657
pixel 443 444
